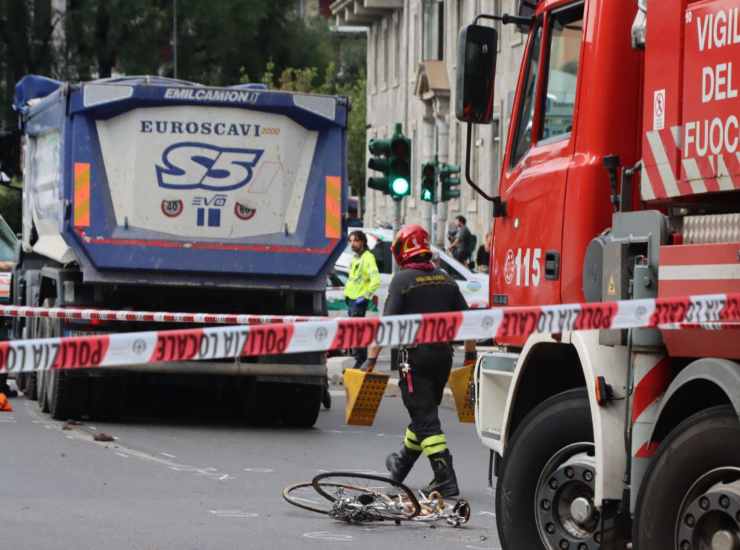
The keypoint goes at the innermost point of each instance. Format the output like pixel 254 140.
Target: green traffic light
pixel 426 195
pixel 400 187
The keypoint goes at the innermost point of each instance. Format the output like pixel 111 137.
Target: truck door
pixel 539 153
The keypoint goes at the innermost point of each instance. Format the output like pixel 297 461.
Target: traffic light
pixel 392 158
pixel 428 181
pixel 400 165
pixel 450 181
pixel 380 149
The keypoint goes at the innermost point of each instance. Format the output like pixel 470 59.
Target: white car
pixel 474 286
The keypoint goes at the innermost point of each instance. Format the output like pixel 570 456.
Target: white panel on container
pixel 200 173
pixel 323 106
pixel 97 94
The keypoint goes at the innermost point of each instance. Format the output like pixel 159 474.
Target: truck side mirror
pixel 476 71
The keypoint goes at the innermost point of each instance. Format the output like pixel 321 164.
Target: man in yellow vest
pixel 362 284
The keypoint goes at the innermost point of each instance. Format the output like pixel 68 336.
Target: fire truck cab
pixel 620 180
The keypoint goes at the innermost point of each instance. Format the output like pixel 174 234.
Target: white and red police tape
pixel 210 343
pixel 102 315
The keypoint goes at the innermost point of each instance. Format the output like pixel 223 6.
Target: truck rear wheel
pixel 63 393
pixel 690 498
pixel 302 403
pixel 544 495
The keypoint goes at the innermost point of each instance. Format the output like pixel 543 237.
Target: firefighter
pixel 419 287
pixel 362 284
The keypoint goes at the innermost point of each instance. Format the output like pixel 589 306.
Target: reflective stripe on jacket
pixel 364 278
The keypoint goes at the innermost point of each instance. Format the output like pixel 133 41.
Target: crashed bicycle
pixel 361 498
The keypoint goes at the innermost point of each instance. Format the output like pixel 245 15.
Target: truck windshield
pixel 523 137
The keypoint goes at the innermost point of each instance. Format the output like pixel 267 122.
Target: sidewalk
pixel 335 366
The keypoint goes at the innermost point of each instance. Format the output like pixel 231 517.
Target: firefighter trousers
pixel 422 395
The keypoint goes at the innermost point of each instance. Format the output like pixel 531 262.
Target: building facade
pixel 411 71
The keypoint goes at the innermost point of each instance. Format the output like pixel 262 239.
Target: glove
pixel 361 301
pixel 369 364
pixel 470 358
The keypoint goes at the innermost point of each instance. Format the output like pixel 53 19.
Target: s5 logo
pixel 204 166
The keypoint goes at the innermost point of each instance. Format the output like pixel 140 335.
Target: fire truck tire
pixel 698 460
pixel 302 405
pixel 556 431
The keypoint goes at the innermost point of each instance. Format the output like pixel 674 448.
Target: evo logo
pixel 208 210
pixel 192 165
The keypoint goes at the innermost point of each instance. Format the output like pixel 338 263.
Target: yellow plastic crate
pixel 364 393
pixel 460 384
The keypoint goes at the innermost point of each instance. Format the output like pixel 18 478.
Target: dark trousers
pixel 354 310
pixel 430 369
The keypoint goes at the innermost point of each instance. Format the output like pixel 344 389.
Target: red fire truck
pixel 620 180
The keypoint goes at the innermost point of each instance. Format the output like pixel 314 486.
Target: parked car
pixel 474 286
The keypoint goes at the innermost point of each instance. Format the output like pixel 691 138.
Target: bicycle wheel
pixel 366 497
pixel 304 496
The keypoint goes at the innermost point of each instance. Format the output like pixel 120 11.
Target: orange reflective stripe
pixel 333 226
pixel 82 194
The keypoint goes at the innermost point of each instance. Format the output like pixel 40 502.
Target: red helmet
pixel 410 241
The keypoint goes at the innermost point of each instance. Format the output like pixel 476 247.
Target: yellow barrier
pixel 460 384
pixel 364 393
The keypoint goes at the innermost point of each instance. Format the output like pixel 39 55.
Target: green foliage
pixel 220 42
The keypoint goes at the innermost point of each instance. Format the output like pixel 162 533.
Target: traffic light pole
pixel 396 227
pixel 443 143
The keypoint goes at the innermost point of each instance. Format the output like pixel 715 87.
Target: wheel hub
pixel 567 518
pixel 709 517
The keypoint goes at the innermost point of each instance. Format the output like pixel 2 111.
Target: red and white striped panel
pixel 696 175
pixel 699 269
pixel 653 374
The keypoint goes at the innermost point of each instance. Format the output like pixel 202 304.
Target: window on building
pixel 397 50
pixel 566 30
pixel 373 57
pixel 525 116
pixel 433 30
pixel 384 53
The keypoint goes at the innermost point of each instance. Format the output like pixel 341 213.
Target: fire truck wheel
pixel 690 498
pixel 302 404
pixel 544 494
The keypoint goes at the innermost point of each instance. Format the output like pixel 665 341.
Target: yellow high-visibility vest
pixel 364 278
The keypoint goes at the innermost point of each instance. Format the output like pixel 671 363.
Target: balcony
pixel 362 13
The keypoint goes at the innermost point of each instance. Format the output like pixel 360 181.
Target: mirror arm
pixel 506 19
pixel 499 207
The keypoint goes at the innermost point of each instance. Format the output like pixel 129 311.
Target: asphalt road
pixel 182 482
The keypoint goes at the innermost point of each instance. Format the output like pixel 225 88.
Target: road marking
pixel 7 420
pixel 484 513
pixel 233 514
pixel 326 535
pixel 123 455
pixel 168 455
pixel 259 470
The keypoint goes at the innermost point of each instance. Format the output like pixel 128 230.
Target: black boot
pixel 399 464
pixel 445 480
